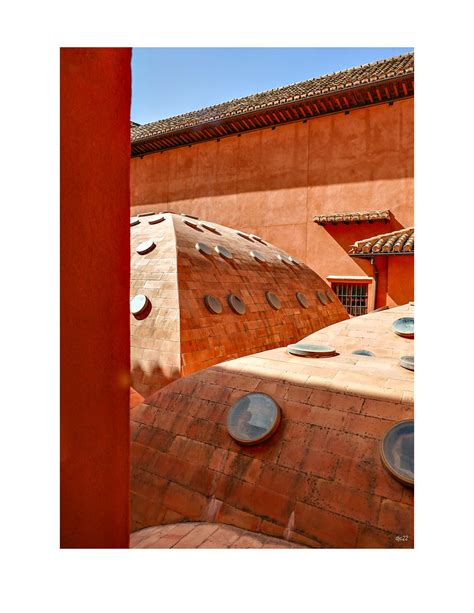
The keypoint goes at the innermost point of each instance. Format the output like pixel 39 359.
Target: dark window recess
pixel 354 297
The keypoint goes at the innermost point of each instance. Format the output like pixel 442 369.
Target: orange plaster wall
pixel 273 182
pixel 401 277
pixel 95 268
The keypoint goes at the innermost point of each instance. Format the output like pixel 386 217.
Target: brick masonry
pixel 179 335
pixel 319 480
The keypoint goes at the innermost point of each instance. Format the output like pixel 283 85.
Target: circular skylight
pixel 273 300
pixel 302 300
pixel 397 451
pixel 236 304
pixel 257 238
pixel 243 235
pixel 189 216
pixel 208 226
pixel 294 261
pixel 213 304
pixel 405 326
pixel 138 304
pixel 258 256
pixel 309 350
pixel 145 247
pixel 284 258
pixel 408 362
pixel 156 219
pixel 365 352
pixel 134 221
pixel 254 418
pixel 223 251
pixel 322 297
pixel 192 224
pixel 146 214
pixel 330 295
pixel 204 248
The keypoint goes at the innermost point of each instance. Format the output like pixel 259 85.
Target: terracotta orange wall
pixel 401 277
pixel 272 182
pixel 95 268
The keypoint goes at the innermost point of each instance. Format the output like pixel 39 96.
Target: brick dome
pixel 319 480
pixel 204 293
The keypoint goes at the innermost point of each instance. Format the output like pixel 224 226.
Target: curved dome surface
pixel 319 480
pixel 178 333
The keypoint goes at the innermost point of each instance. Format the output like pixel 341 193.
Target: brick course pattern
pixel 197 535
pixel 319 480
pixel 179 335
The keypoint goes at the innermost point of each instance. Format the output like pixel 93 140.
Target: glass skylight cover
pixel 397 451
pixel 253 418
pixel 236 304
pixel 213 304
pixel 405 326
pixel 308 349
pixel 145 247
pixel 138 304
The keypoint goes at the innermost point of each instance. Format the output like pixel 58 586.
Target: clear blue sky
pixel 171 81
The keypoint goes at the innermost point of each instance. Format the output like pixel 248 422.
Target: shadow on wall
pixel 366 146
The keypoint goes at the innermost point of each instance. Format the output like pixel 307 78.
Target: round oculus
pixel 253 419
pixel 365 352
pixel 257 238
pixel 134 221
pixel 204 248
pixel 208 226
pixel 213 304
pixel 309 350
pixel 408 362
pixel 294 261
pixel 146 247
pixel 190 216
pixel 156 219
pixel 223 251
pixel 405 326
pixel 138 304
pixel 284 258
pixel 302 300
pixel 243 235
pixel 397 451
pixel 146 214
pixel 258 256
pixel 236 304
pixel 273 300
pixel 330 295
pixel 322 297
pixel 192 224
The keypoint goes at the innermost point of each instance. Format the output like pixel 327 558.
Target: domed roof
pixel 204 293
pixel 319 479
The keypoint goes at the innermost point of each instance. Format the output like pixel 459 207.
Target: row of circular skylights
pixel 214 305
pixel 139 303
pixel 204 248
pixel 255 417
pixel 405 327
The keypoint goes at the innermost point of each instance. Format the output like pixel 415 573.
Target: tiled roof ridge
pixel 386 243
pixel 205 109
pixel 356 216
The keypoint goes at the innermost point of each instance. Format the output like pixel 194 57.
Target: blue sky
pixel 171 81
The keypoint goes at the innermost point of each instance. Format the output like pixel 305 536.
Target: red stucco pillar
pixel 95 209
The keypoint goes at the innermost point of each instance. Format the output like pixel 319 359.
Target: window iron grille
pixel 354 297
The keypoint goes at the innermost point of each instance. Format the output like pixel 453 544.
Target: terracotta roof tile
pixel 338 81
pixel 352 217
pixel 399 241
